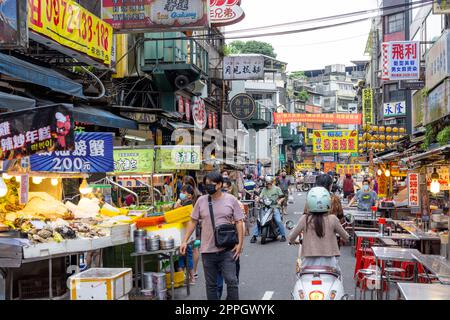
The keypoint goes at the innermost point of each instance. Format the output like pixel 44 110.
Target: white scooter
pixel 317 282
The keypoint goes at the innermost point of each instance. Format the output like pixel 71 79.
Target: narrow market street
pixel 268 271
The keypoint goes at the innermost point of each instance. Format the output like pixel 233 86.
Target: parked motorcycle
pixel 266 222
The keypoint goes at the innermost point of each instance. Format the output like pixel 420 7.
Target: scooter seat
pixel 320 270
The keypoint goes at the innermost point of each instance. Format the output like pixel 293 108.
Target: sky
pixel 315 49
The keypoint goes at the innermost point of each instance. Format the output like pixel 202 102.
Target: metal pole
pixel 50 267
pixel 123 188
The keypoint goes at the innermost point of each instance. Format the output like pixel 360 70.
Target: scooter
pixel 266 222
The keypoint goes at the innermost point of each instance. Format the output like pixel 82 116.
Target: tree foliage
pixel 303 95
pixel 297 75
pixel 257 47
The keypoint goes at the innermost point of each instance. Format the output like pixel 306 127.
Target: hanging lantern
pixel 388 129
pixel 435 186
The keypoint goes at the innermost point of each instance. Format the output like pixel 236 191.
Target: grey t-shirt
pixel 366 199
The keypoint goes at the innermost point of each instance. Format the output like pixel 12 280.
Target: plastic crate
pixel 179 214
pixel 38 288
pixel 178 279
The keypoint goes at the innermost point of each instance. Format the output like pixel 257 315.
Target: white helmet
pixel 269 179
pixel 318 200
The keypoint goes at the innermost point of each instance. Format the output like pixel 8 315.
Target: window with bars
pixel 395 23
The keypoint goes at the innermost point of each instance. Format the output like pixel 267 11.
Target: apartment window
pixel 393 94
pixel 257 96
pixel 395 23
pixel 433 28
pixel 316 100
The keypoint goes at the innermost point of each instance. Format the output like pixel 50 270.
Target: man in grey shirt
pixel 366 197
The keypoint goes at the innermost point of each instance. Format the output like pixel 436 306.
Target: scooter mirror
pixel 290 224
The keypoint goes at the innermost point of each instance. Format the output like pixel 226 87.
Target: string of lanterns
pixel 379 138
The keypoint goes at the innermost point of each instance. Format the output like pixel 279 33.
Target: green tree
pixel 258 47
pixel 302 95
pixel 297 75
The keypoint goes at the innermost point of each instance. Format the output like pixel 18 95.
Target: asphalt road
pixel 268 271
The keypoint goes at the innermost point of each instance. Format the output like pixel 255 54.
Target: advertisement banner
pixel 338 141
pixel 343 169
pixel 71 25
pixel 437 67
pixel 438 103
pixel 133 160
pixel 243 68
pixel 225 12
pixel 171 158
pixel 367 106
pixel 394 109
pixel 401 60
pixel 335 118
pixel 23 133
pixel 413 190
pixel 156 15
pixel 382 186
pixel 329 166
pixel 13 24
pixel 93 153
pixel 305 166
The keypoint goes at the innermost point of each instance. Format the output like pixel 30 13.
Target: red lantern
pixel 180 104
pixel 210 120
pixel 188 110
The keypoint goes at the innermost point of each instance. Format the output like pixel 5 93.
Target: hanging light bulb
pixel 37 180
pixel 3 188
pixel 6 176
pixel 379 172
pixel 54 182
pixel 18 178
pixel 84 187
pixel 435 186
pixel 387 173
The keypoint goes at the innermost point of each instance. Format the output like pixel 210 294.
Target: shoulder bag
pixel 225 235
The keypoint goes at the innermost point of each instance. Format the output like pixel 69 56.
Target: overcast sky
pixel 310 50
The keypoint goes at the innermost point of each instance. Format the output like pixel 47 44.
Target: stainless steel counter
pixel 419 291
pixel 394 236
pixel 395 254
pixel 438 265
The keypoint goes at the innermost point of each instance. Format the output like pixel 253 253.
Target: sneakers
pixel 253 240
pixel 283 239
pixel 196 276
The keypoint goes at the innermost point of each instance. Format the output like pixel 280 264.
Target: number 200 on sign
pixel 69 164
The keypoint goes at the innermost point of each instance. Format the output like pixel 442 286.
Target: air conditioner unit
pixel 200 88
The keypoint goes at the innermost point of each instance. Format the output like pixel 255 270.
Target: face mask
pixel 366 188
pixel 183 196
pixel 211 189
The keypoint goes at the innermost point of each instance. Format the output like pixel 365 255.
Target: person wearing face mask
pixel 234 188
pixel 366 197
pixel 283 183
pixel 226 210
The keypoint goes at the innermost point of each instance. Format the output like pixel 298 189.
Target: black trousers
pixel 220 262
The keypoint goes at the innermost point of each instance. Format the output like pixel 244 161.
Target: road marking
pixel 298 213
pixel 268 295
pixel 300 194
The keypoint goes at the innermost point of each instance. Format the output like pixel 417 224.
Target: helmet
pixel 318 200
pixel 269 179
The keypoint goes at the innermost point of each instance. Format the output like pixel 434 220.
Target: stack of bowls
pixel 167 244
pixel 139 241
pixel 152 243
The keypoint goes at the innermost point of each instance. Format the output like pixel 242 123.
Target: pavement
pixel 268 271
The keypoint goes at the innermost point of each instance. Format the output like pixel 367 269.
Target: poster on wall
pixel 23 133
pixel 156 15
pixel 382 186
pixel 13 24
pixel 401 60
pixel 93 153
pixel 413 190
pixel 338 141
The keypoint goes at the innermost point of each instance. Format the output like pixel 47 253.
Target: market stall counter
pixel 419 291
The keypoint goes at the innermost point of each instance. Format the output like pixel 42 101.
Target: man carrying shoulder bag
pixel 222 236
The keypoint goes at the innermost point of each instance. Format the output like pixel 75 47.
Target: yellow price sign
pixel 71 25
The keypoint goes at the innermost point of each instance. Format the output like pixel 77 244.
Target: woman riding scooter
pixel 319 227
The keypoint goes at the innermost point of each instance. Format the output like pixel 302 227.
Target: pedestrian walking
pixel 222 236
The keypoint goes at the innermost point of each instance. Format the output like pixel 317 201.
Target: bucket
pixel 139 240
pixel 162 295
pixel 159 281
pixel 148 280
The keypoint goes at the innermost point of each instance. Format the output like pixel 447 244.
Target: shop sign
pixel 171 158
pixel 243 67
pixel 328 159
pixel 242 106
pixel 23 133
pixel 13 24
pixel 133 160
pixel 413 189
pixel 438 104
pixel 329 166
pixel 199 113
pixel 338 141
pixel 382 186
pixel 441 7
pixel 401 60
pixel 135 182
pixel 304 166
pixel 412 85
pixel 93 153
pixel 343 169
pixel 394 109
pixel 72 26
pixel 156 15
pixel 367 106
pixel 335 118
pixel 24 188
pixel 226 12
pixel 437 66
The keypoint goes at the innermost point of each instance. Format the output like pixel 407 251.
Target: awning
pixel 46 77
pixel 180 125
pixel 102 118
pixel 13 102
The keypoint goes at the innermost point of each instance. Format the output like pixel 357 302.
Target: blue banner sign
pixel 93 153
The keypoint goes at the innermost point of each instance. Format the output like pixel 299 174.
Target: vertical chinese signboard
pixel 382 186
pixel 367 104
pixel 71 25
pixel 339 141
pixel 23 133
pixel 243 67
pixel 413 190
pixel 401 60
pixel 93 153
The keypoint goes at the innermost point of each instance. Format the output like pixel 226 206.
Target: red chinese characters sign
pixel 343 169
pixel 336 118
pixel 199 113
pixel 225 12
pixel 401 60
pixel 339 141
pixel 413 189
pixel 24 133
